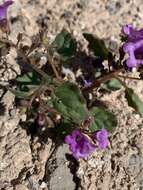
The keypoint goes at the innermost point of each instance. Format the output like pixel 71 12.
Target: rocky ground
pixel 27 163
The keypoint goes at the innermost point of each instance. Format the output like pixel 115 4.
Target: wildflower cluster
pixel 133 46
pixel 59 96
pixel 81 145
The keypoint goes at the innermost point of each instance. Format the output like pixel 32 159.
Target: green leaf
pixel 112 85
pixel 102 119
pixel 96 45
pixel 27 81
pixel 64 128
pixel 30 77
pixel 94 127
pixel 27 84
pixel 70 103
pixel 26 78
pixel 21 94
pixel 65 44
pixel 134 100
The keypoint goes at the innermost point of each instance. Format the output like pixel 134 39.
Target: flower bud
pixel 41 119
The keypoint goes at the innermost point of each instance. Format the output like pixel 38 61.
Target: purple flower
pixel 101 137
pixel 87 83
pixel 133 46
pixel 79 144
pixel 3 9
pixel 133 35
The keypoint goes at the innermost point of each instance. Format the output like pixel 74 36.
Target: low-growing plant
pixel 62 93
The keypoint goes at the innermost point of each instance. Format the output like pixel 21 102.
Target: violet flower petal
pixel 130 48
pixel 79 144
pixel 101 137
pixel 126 29
pixel 3 9
pixel 134 45
pixel 87 84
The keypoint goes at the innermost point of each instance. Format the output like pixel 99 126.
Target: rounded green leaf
pixel 65 44
pixel 102 119
pixel 97 45
pixel 134 100
pixel 70 102
pixel 112 85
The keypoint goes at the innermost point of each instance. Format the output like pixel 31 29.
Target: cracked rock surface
pixel 58 175
pixel 15 152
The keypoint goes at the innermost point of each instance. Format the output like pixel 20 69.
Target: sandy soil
pixel 26 163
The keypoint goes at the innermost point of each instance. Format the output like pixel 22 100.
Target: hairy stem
pixel 53 66
pixel 103 79
pixel 127 77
